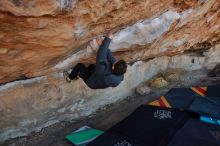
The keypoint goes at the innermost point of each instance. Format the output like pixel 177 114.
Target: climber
pixel 107 72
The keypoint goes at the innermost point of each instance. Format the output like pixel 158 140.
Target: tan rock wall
pixel 35 35
pixel 39 39
pixel 30 105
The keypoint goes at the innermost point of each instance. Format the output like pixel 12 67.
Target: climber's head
pixel 120 67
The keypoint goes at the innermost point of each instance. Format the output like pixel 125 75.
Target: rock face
pixel 39 39
pixel 30 105
pixel 143 89
pixel 35 35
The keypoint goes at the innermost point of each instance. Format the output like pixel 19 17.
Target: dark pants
pixel 83 71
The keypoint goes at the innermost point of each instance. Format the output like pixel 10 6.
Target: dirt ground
pixel 105 117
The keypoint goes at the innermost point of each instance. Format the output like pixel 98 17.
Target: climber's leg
pixel 91 67
pixel 80 70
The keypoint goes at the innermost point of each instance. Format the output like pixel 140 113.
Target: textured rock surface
pixel 143 89
pixel 30 105
pixel 158 82
pixel 37 34
pixel 39 39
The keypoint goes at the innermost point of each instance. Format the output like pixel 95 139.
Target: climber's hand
pixel 110 35
pixel 99 41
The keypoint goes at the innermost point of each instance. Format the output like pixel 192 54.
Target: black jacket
pixel 103 76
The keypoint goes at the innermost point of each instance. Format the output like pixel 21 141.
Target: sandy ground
pixel 106 117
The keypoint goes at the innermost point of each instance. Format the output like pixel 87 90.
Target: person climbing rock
pixel 107 72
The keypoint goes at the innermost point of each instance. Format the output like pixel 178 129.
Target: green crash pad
pixel 83 136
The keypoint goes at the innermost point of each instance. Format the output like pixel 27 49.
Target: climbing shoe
pixel 66 76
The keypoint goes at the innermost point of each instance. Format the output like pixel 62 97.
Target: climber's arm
pixel 110 57
pixel 102 54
